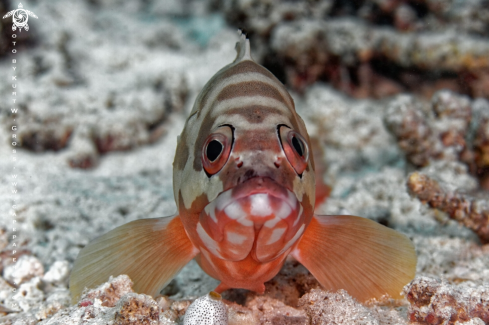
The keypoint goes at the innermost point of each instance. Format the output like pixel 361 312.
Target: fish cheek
pixel 190 217
pixel 229 174
pixel 182 152
pixel 197 205
pixel 308 208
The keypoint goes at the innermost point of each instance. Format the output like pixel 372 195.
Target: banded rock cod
pixel 244 185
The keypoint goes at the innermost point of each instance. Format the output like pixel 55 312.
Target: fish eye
pixel 298 146
pixel 295 148
pixel 216 150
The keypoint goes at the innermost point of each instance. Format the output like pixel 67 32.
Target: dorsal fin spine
pixel 243 48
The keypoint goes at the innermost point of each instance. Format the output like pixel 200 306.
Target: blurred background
pixel 394 94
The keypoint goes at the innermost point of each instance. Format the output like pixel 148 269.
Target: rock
pixel 57 300
pixel 273 311
pixel 58 273
pixel 25 269
pixel 108 293
pixel 472 213
pixel 394 45
pixel 27 297
pixel 438 302
pixel 136 309
pixel 335 308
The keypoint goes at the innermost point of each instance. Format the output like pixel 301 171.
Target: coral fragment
pixel 472 213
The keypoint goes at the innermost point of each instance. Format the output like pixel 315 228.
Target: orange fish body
pixel 245 190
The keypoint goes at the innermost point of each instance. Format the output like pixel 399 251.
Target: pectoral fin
pixel 356 254
pixel 150 251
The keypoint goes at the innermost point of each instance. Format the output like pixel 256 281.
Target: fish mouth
pixel 256 186
pixel 258 217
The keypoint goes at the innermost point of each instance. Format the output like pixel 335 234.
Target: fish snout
pixel 251 172
pixel 257 166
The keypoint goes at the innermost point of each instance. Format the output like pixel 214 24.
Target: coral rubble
pixel 86 115
pixel 338 308
pixel 450 128
pixel 438 302
pixel 394 45
pixel 472 213
pixel 106 85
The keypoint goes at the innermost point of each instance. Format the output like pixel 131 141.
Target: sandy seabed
pixel 103 91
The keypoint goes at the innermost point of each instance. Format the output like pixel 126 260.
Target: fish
pixel 244 186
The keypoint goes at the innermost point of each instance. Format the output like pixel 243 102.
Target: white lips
pixel 260 202
pixel 235 212
pixel 260 205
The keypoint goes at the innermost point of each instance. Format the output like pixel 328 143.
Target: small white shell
pixel 207 310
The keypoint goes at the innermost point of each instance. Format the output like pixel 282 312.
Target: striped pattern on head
pixel 253 103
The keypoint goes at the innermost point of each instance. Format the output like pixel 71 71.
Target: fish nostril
pixel 277 162
pixel 239 162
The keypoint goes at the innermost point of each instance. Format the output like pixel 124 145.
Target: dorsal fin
pixel 243 48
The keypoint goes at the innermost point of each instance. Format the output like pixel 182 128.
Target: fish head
pixel 243 171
